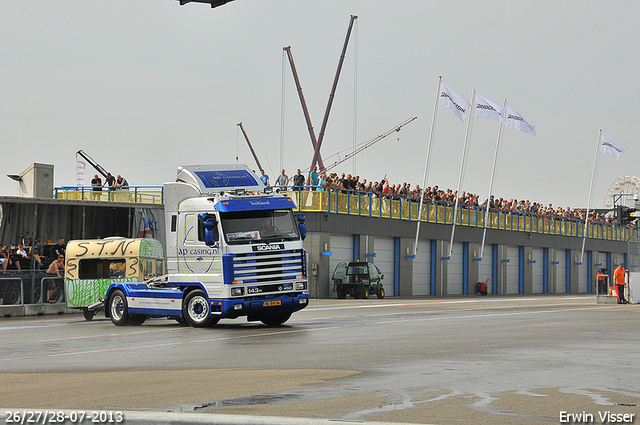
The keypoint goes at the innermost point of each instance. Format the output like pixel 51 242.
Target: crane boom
pixel 316 153
pixel 305 111
pixel 371 142
pixel 250 147
pixel 94 164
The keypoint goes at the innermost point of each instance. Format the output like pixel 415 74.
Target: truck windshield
pixel 259 226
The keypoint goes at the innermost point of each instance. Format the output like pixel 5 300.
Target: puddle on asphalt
pixel 262 399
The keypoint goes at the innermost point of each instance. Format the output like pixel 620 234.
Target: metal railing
pixel 132 194
pixel 30 287
pixel 371 205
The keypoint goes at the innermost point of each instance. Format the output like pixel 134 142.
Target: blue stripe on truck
pixel 227 269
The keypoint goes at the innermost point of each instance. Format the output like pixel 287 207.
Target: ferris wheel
pixel 622 191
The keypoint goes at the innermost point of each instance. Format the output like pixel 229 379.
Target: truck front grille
pixel 272 266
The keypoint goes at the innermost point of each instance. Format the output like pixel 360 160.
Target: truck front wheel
pixel 275 319
pixel 196 309
pixel 118 308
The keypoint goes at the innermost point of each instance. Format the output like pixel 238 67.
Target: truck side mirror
pixel 210 225
pixel 302 226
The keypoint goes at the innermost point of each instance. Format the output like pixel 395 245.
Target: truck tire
pixel 275 319
pixel 342 294
pixel 182 322
pixel 196 309
pixel 88 314
pixel 136 320
pixel 381 292
pixel 118 308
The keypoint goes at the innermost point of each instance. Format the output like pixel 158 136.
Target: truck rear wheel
pixel 275 319
pixel 196 309
pixel 118 308
pixel 136 320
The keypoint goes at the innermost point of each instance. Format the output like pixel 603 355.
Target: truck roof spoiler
pixel 211 179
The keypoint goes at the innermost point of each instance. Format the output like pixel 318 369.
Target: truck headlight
pixel 301 286
pixel 237 291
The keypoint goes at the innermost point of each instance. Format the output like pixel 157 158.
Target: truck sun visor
pixel 226 179
pixel 276 203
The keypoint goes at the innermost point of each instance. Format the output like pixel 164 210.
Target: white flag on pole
pixel 607 146
pixel 516 121
pixel 452 100
pixel 80 167
pixel 488 110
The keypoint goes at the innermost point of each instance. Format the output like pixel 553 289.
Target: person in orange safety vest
pixel 601 278
pixel 618 276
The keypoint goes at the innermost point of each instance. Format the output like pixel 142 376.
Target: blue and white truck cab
pixel 234 248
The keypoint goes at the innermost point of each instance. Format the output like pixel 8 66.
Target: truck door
pixel 196 259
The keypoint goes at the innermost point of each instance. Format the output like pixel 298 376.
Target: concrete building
pixel 514 262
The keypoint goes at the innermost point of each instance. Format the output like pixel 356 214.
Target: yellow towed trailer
pixel 92 265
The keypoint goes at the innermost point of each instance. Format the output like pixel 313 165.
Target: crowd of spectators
pixel 21 259
pixel 347 183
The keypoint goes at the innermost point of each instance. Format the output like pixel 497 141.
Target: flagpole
pixel 593 173
pixel 462 163
pixel 426 165
pixel 493 172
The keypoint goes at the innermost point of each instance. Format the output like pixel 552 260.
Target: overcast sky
pixel 144 86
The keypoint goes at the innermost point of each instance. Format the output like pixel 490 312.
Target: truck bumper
pixel 255 306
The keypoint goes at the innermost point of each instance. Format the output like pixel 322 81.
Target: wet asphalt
pixel 511 359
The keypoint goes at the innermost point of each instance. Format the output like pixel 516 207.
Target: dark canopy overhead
pixel 213 3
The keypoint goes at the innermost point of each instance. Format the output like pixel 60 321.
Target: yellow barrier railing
pixel 370 205
pixel 132 194
pixel 367 204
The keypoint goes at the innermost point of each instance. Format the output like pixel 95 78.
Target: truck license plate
pixel 270 303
